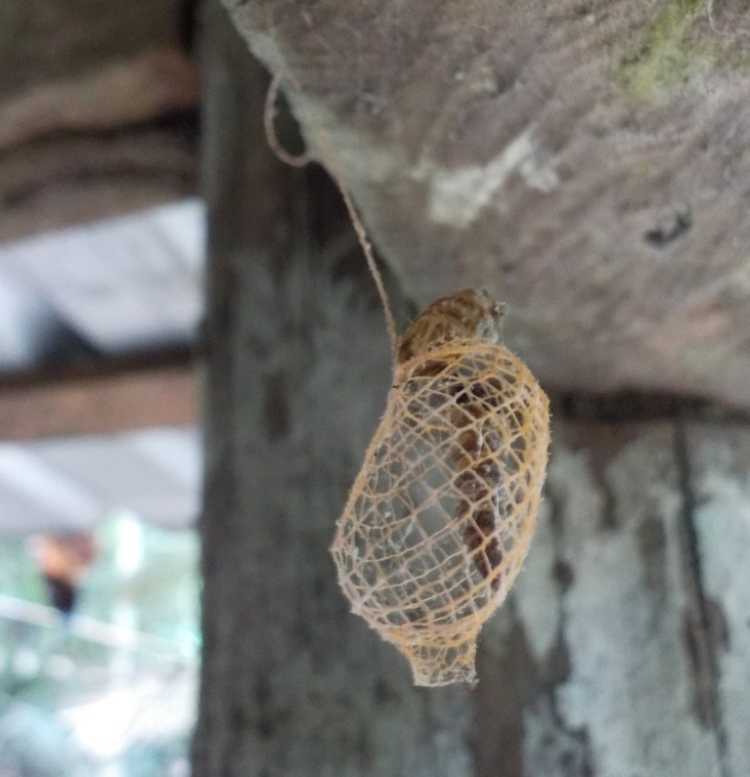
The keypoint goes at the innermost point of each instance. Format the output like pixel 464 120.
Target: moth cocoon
pixel 441 515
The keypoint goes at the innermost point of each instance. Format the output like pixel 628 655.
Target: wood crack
pixel 700 644
pixel 524 727
pixel 578 760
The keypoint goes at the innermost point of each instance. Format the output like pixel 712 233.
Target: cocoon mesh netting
pixel 441 515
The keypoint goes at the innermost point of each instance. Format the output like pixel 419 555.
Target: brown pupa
pixel 441 515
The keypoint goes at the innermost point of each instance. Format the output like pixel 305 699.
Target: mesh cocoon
pixel 440 517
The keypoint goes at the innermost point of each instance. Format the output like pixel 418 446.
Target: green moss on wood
pixel 670 53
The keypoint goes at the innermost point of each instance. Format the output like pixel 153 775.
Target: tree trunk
pixel 622 651
pixel 587 162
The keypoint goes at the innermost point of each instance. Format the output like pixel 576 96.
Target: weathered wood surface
pixel 97 110
pixel 624 651
pixel 719 498
pixel 587 161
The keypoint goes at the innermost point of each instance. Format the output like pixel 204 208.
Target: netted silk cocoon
pixel 441 515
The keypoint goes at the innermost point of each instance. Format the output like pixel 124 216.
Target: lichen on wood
pixel 678 50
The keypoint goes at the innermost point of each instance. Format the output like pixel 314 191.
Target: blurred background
pixel 101 273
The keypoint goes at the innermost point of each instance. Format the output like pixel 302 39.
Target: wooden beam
pixel 103 122
pixel 99 403
pixel 580 164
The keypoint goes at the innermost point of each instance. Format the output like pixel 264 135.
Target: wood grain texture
pixel 600 631
pixel 585 161
pixel 720 494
